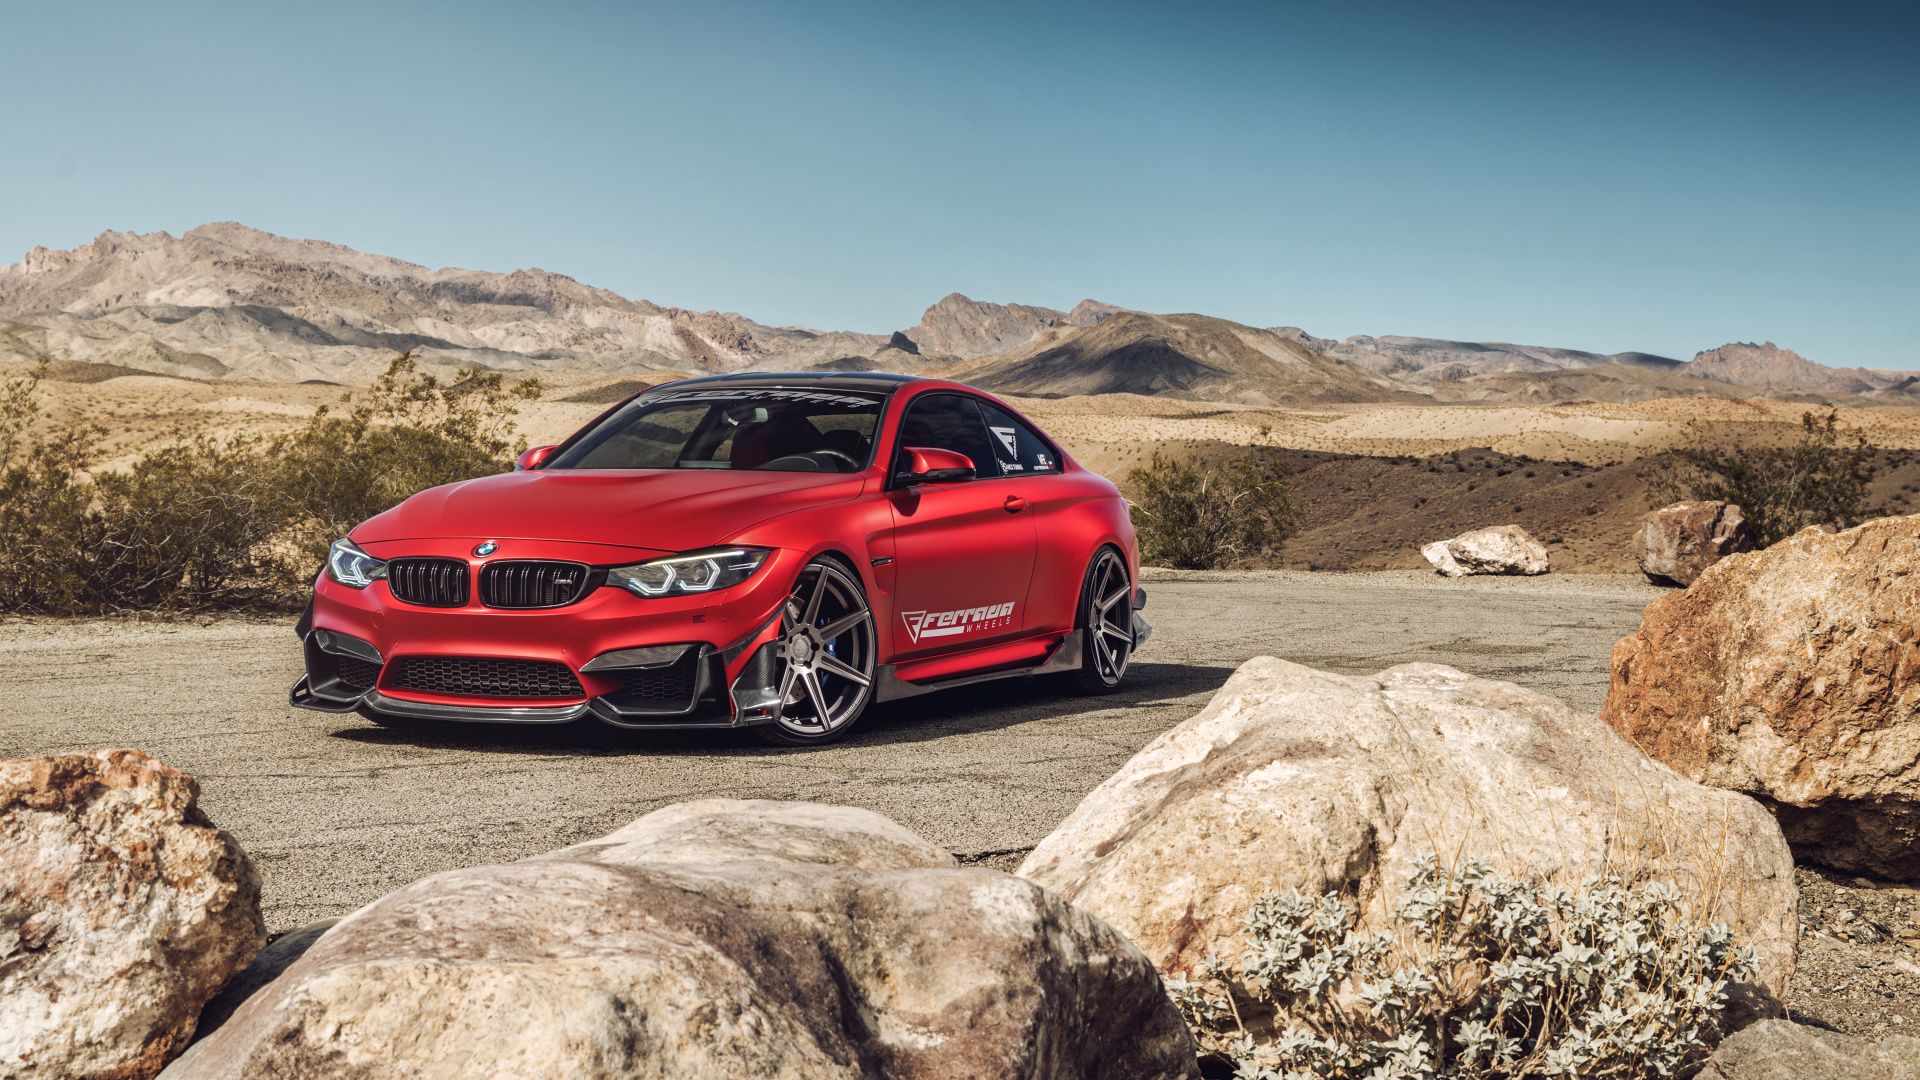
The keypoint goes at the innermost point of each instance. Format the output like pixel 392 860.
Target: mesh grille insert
pixel 525 584
pixel 428 582
pixel 462 676
pixel 666 686
pixel 359 674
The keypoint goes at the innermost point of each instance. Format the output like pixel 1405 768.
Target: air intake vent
pixel 461 676
pixel 428 582
pixel 665 687
pixel 359 674
pixel 532 584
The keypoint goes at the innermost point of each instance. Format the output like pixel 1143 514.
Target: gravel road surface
pixel 337 812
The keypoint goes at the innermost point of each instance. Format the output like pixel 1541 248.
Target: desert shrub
pixel 405 434
pixel 1202 516
pixel 1479 977
pixel 1820 480
pixel 191 526
pixel 234 522
pixel 49 529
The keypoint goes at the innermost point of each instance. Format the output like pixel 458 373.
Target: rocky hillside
pixel 1435 360
pixel 1194 357
pixel 1770 367
pixel 227 302
pixel 970 328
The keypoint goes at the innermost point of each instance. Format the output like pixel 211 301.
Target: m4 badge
pixel 933 624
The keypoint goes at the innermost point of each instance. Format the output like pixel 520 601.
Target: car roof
pixel 871 381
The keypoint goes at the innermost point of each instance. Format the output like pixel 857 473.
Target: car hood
pixel 665 509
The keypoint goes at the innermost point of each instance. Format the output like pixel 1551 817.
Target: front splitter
pixel 599 710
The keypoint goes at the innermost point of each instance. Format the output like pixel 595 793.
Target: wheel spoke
pixel 787 675
pixel 835 666
pixel 1118 595
pixel 1108 630
pixel 813 602
pixel 1102 652
pixel 841 625
pixel 819 698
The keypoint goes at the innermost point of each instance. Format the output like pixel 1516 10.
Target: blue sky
pixel 1664 177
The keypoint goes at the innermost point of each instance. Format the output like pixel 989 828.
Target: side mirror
pixel 926 465
pixel 533 457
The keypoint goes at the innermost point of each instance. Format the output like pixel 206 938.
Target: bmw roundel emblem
pixel 486 548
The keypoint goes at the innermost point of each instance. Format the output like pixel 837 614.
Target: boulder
pixel 1503 549
pixel 715 939
pixel 124 910
pixel 1781 1050
pixel 277 957
pixel 1793 674
pixel 1293 778
pixel 1675 543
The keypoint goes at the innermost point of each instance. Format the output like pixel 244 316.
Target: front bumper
pixel 675 662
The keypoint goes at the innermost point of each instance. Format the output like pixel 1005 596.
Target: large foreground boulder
pixel 1503 549
pixel 721 939
pixel 1293 778
pixel 1675 543
pixel 122 911
pixel 1793 674
pixel 1781 1050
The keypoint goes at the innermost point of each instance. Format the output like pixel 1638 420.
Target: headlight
pixel 351 567
pixel 694 572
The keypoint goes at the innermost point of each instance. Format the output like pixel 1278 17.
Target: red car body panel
pixel 963 579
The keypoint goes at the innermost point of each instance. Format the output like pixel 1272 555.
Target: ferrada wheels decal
pixel 925 624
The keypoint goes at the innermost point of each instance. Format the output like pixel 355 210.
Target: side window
pixel 1020 451
pixel 949 422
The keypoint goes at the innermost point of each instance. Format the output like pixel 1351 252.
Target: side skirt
pixel 1065 657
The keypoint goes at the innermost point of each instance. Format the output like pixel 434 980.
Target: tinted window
pixel 1020 450
pixel 774 429
pixel 949 422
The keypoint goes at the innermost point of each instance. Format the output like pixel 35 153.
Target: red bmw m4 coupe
pixel 764 550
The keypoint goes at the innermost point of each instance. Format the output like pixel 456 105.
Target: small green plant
pixel 1204 516
pixel 1478 977
pixel 1820 480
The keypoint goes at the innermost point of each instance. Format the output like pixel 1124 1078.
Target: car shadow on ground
pixel 966 710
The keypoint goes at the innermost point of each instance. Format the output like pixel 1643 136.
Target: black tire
pixel 1105 621
pixel 828 648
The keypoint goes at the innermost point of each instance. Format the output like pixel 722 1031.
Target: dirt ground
pixel 1859 954
pixel 337 811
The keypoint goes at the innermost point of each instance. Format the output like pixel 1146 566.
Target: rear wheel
pixel 1105 620
pixel 827 654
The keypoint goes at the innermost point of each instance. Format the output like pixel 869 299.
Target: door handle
pixel 1014 504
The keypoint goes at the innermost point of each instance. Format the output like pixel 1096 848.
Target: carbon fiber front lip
pixel 479 714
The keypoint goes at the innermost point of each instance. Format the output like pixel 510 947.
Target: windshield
pixel 779 430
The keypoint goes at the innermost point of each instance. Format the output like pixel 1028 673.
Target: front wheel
pixel 1105 620
pixel 827 650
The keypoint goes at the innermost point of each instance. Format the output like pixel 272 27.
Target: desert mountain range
pixel 226 302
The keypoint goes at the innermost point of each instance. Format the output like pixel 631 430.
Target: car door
pixel 963 550
pixel 1060 555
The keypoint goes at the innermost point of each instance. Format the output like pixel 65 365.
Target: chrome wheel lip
pixel 807 656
